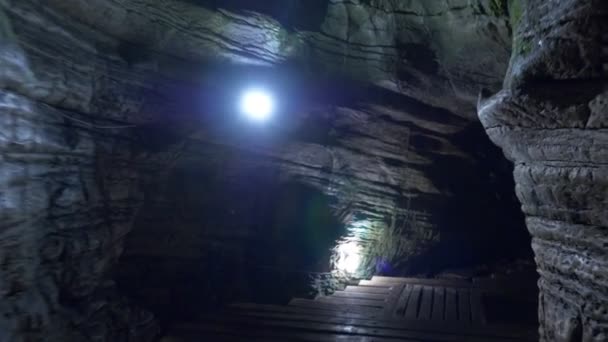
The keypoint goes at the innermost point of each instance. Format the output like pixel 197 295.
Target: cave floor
pixel 382 309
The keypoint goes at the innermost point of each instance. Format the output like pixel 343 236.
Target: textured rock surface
pixel 69 182
pixel 103 102
pixel 440 52
pixel 552 120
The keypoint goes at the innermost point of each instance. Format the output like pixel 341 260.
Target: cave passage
pixel 228 232
pixel 265 212
pixel 315 170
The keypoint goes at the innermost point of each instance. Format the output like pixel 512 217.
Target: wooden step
pixel 377 284
pixel 368 289
pixel 198 335
pixel 387 281
pixel 428 326
pixel 308 303
pixel 274 329
pixel 297 326
pixel 413 303
pixel 487 284
pixel 242 331
pixel 357 302
pixel 381 309
pixel 360 295
pixel 297 310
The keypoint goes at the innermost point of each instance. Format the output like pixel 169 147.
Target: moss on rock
pixel 521 46
pixel 516 9
pixel 6 31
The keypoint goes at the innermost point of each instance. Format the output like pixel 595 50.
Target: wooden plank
pixel 391 301
pixel 464 305
pixel 438 304
pixel 298 326
pixel 402 301
pixel 411 311
pixel 360 295
pixel 487 284
pixel 451 305
pixel 288 330
pixel 353 301
pixel 426 304
pixel 265 332
pixel 367 289
pixel 191 335
pixel 303 310
pixel 453 328
pixel 477 315
pixel 385 281
pixel 332 307
pixel 370 283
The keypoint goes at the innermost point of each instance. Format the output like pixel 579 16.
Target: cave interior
pixel 161 160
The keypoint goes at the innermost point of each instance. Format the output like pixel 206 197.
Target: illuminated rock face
pixel 551 119
pixel 101 106
pixel 440 52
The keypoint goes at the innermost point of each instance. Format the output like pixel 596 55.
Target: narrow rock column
pixel 551 119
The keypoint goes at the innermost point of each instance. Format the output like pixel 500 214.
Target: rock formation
pixel 550 119
pixel 69 185
pixel 117 125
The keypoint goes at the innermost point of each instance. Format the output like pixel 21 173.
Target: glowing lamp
pixel 257 105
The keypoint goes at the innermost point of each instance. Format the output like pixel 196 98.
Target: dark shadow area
pixel 481 223
pixel 225 232
pixel 299 229
pixel 515 309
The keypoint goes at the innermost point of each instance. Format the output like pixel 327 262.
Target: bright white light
pixel 349 257
pixel 257 105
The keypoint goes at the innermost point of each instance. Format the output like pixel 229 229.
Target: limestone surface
pixel 550 119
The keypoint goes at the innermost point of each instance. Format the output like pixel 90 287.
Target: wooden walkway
pixel 381 309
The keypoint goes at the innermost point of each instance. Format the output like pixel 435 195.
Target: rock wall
pixel 101 101
pixel 439 52
pixel 69 179
pixel 552 120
